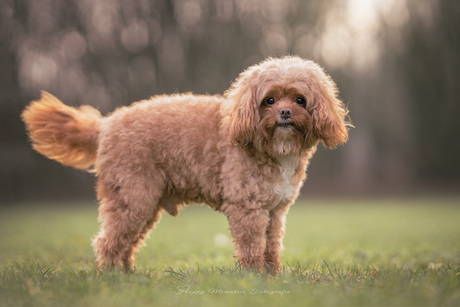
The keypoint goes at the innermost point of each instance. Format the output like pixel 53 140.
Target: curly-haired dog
pixel 244 153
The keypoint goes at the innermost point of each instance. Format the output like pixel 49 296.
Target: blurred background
pixel 396 64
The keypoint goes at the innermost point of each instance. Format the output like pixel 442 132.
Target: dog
pixel 244 153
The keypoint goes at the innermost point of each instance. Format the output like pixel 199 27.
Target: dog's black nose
pixel 285 113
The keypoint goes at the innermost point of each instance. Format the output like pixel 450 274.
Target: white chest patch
pixel 285 187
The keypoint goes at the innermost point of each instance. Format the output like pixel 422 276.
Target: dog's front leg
pixel 275 234
pixel 248 228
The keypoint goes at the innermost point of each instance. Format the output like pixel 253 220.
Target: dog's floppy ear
pixel 244 116
pixel 329 115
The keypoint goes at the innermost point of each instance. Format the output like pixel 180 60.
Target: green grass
pixel 347 253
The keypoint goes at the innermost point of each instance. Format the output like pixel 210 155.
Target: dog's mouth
pixel 285 125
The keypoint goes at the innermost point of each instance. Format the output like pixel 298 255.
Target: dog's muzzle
pixel 285 115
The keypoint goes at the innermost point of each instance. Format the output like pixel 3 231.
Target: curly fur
pixel 239 153
pixel 63 133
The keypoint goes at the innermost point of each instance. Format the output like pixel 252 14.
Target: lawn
pixel 347 253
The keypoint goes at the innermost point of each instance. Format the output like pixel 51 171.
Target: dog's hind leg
pixel 130 257
pixel 127 214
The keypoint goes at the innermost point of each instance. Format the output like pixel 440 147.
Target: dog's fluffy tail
pixel 65 134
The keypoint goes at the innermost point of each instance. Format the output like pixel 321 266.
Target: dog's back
pixel 171 142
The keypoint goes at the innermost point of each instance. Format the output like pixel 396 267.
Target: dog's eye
pixel 301 101
pixel 270 100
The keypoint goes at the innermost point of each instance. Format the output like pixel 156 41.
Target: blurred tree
pixel 430 62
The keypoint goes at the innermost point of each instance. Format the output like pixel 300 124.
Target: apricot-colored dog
pixel 244 154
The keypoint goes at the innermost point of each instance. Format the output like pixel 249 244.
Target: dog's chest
pixel 285 186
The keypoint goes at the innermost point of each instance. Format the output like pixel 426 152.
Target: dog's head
pixel 285 106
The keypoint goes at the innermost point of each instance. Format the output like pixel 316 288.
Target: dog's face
pixel 285 106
